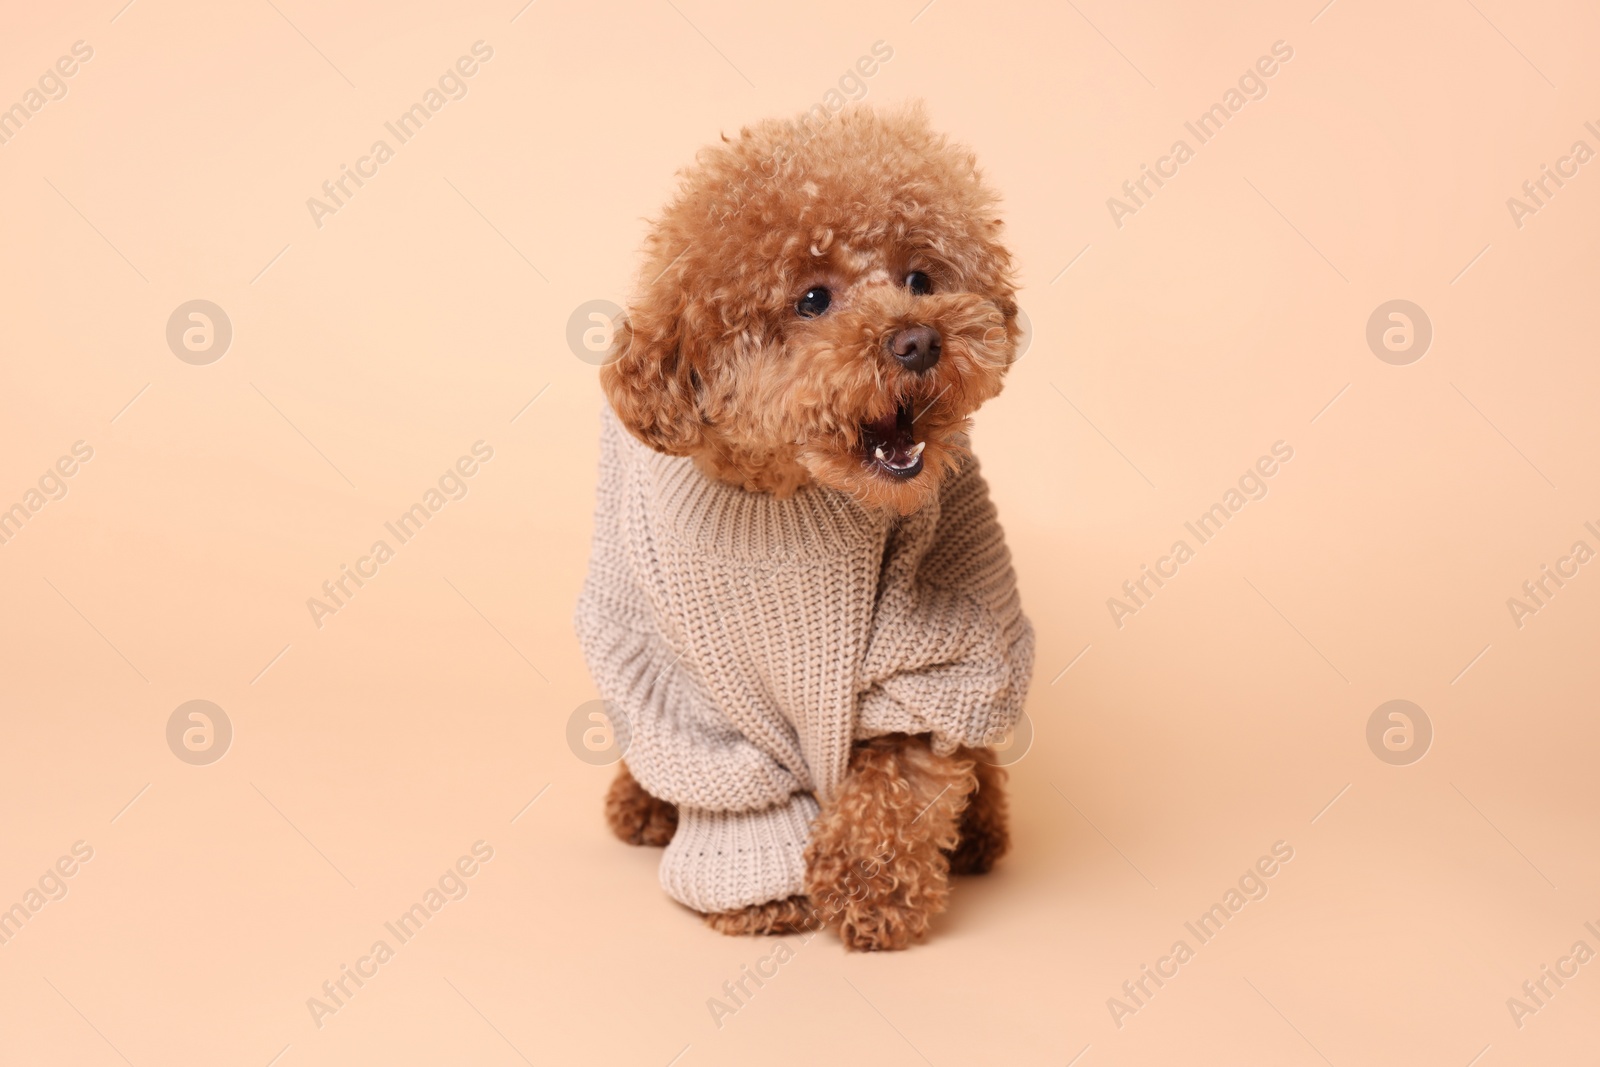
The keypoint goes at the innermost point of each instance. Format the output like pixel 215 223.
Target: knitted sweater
pixel 745 641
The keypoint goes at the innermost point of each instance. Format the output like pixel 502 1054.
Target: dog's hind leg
pixel 984 833
pixel 787 916
pixel 635 816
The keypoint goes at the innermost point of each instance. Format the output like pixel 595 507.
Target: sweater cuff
pixel 721 860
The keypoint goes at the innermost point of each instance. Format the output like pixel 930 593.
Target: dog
pixel 800 605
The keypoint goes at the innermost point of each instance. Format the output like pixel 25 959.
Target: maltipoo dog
pixel 800 606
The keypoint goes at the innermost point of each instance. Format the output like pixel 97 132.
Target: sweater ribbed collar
pixel 700 512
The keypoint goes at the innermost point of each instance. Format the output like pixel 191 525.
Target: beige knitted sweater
pixel 747 640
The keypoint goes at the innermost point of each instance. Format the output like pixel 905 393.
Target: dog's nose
pixel 917 347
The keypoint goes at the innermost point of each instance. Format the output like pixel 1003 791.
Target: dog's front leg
pixel 878 865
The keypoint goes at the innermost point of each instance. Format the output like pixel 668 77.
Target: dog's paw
pixel 877 867
pixel 881 904
pixel 878 899
pixel 882 926
pixel 787 916
pixel 637 817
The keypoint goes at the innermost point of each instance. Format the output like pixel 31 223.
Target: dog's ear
pixel 652 384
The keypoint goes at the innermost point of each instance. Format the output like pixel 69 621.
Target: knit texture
pixel 748 640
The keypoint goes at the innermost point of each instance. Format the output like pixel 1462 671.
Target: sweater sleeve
pixel 679 745
pixel 951 653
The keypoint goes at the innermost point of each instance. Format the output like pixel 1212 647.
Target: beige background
pixel 368 354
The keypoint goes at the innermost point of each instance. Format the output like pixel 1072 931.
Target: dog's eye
pixel 919 283
pixel 814 302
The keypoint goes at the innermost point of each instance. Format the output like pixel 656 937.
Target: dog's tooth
pixel 916 449
pixel 878 453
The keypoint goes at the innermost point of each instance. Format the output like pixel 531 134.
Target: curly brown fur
pixel 635 816
pixel 982 838
pixel 984 833
pixel 713 360
pixel 877 866
pixel 787 916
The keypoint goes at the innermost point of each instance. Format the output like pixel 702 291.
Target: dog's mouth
pixel 888 445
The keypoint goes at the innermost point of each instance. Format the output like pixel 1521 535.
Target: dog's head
pixel 824 302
